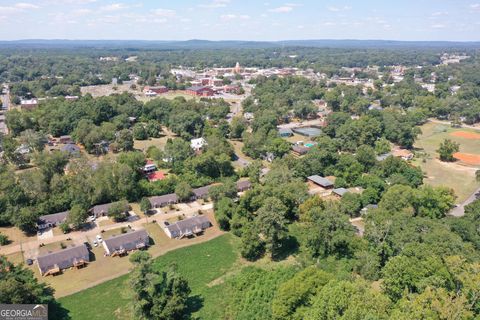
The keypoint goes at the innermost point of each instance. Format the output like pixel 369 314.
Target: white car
pixel 99 238
pixel 95 243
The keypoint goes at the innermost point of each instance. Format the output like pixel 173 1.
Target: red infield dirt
pixel 468 158
pixel 466 134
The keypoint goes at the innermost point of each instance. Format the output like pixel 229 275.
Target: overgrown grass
pixel 200 264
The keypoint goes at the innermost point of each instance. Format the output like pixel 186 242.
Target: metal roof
pixel 324 182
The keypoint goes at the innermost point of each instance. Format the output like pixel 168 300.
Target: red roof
pixel 150 162
pixel 155 176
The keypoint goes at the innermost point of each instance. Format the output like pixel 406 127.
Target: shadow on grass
pixel 194 304
pixel 57 312
pixel 288 246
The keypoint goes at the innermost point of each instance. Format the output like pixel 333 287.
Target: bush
pixel 4 240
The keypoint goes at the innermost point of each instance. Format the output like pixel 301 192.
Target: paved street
pixel 460 210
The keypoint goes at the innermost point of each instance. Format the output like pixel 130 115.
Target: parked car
pixel 99 238
pixel 95 243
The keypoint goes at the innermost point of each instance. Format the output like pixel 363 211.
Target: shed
pixel 285 132
pixel 340 192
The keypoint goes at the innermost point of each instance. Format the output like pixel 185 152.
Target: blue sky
pixel 457 20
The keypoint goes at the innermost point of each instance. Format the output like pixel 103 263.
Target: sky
pixel 453 20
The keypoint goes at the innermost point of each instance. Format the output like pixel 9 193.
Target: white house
pixel 198 144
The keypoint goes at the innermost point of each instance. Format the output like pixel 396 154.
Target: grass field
pixel 460 178
pixel 200 264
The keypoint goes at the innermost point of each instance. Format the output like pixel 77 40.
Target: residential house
pixel 200 193
pixel 162 201
pixel 53 263
pixel 187 227
pixel 51 220
pixel 198 144
pixel 243 185
pixel 102 209
pixel 317 180
pixel 403 153
pixel 28 104
pixel 123 243
pixel 300 150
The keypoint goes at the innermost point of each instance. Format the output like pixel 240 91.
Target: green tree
pixel 272 224
pixel 251 247
pixel 145 205
pixel 117 211
pixel 157 295
pixel 77 216
pixel 184 191
pixel 447 149
pixel 125 140
pixel 139 132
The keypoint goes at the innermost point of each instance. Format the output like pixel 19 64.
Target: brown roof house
pixel 51 220
pixel 243 185
pixel 187 227
pixel 53 263
pixel 119 245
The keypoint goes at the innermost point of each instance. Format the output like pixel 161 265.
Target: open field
pixel 107 89
pixel 200 264
pixel 15 235
pixel 169 95
pixel 454 175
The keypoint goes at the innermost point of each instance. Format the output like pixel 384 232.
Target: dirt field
pixel 466 134
pixel 467 158
pixel 454 175
pixel 107 89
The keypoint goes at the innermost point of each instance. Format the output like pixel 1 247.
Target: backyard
pixel 457 175
pixel 200 264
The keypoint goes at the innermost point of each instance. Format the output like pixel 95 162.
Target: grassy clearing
pixel 200 264
pixel 460 178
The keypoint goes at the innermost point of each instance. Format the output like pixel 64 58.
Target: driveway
pixel 460 210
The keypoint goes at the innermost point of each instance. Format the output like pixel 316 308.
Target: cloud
pixel 24 5
pixel 438 26
pixel 167 13
pixel 114 7
pixel 338 9
pixel 215 4
pixel 440 13
pixel 228 17
pixel 282 9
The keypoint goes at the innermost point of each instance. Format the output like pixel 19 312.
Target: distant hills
pixel 224 44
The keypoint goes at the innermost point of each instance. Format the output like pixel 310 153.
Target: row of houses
pixel 52 220
pixel 79 256
pixel 198 193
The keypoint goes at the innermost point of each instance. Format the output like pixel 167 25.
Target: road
pixel 448 123
pixel 5 107
pixel 460 210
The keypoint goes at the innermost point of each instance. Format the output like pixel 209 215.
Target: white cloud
pixel 440 13
pixel 475 6
pixel 164 13
pixel 24 5
pixel 338 9
pixel 282 9
pixel 215 4
pixel 114 7
pixel 228 17
pixel 438 26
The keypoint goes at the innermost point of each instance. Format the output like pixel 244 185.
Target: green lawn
pixel 200 264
